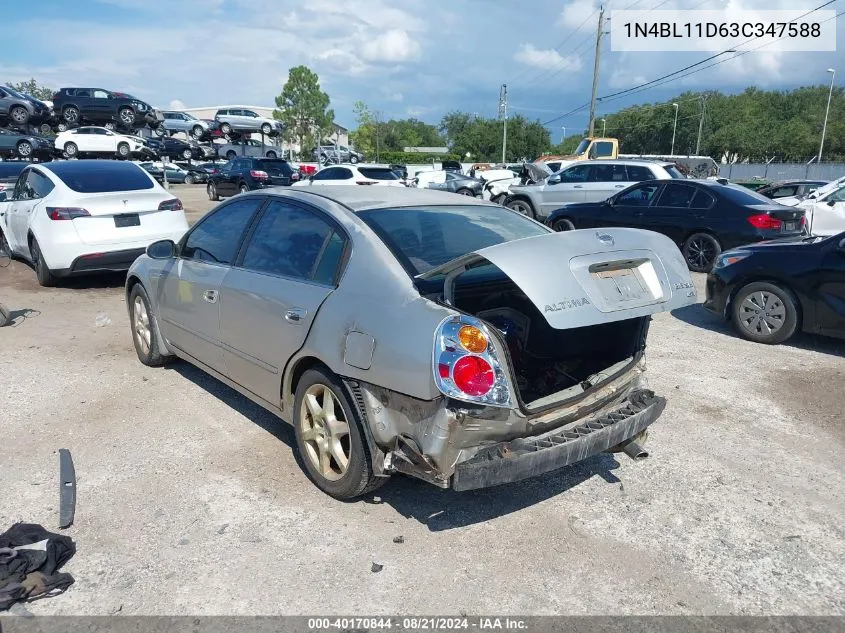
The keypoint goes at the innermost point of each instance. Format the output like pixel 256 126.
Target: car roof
pixel 358 198
pixel 622 161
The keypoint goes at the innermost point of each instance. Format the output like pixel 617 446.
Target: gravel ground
pixel 190 500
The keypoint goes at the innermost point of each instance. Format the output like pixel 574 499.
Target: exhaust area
pixel 634 451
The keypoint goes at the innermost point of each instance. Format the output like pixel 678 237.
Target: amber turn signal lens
pixel 472 339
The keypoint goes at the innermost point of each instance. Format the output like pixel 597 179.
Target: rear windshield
pixel 274 167
pixel 673 171
pixel 101 176
pixel 378 173
pixel 742 195
pixel 11 169
pixel 423 238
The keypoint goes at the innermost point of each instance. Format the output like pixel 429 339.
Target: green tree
pixel 303 109
pixel 33 89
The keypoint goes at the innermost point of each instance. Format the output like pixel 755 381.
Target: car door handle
pixel 578 186
pixel 210 296
pixel 294 315
pixel 619 186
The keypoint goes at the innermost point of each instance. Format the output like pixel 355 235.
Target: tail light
pixel 258 175
pixel 174 204
pixel 468 365
pixel 66 213
pixel 294 176
pixel 764 221
pixel 56 96
pixel 803 221
pixel 366 182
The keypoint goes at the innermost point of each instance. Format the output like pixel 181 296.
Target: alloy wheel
pixel 19 115
pixel 127 116
pixel 325 432
pixel 762 313
pixel 24 149
pixel 700 253
pixel 141 325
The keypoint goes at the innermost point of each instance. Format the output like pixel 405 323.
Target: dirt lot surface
pixel 191 502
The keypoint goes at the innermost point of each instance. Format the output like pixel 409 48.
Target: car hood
pixel 794 243
pixel 600 276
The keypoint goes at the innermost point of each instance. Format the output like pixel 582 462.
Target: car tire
pixel 159 131
pixel 272 154
pixel 189 179
pixel 266 128
pixel 144 327
pixel 24 149
pixel 324 442
pixel 186 153
pixel 465 192
pixel 700 252
pixel 764 312
pixel 123 150
pixel 62 127
pixel 563 225
pixel 211 189
pixel 230 155
pixel 45 276
pixel 126 116
pixel 19 115
pixel 71 115
pixel 5 248
pixel 243 188
pixel 521 206
pixel 71 149
pixel 225 128
pixel 353 159
pixel 5 317
pixel 45 129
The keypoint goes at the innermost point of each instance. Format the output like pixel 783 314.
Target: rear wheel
pixel 465 192
pixel 45 276
pixel 71 150
pixel 700 251
pixel 62 127
pixel 144 328
pixel 19 115
pixel 521 206
pixel 243 188
pixel 189 179
pixel 126 116
pixel 764 313
pixel 109 125
pixel 563 225
pixel 353 159
pixel 24 149
pixel 123 150
pixel 71 114
pixel 266 128
pixel 329 438
pixel 212 192
pixel 159 131
pixel 186 153
pixel 225 128
pixel 197 131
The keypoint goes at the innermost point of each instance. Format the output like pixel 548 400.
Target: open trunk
pixel 572 307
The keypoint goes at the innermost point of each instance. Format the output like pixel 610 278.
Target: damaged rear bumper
pixel 526 457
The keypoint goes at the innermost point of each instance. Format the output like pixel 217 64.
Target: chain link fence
pixel 782 171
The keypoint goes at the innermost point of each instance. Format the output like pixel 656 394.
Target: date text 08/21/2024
pixel 418 623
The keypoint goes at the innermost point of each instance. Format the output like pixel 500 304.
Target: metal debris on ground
pixel 376 568
pixel 102 320
pixel 398 539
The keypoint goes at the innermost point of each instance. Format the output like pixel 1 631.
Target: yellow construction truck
pixel 608 148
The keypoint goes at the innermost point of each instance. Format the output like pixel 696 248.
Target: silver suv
pixel 175 121
pixel 585 181
pixel 20 108
pixel 244 120
pixel 248 147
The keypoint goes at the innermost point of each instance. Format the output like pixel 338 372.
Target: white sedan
pixel 353 174
pixel 97 141
pixel 825 213
pixel 78 217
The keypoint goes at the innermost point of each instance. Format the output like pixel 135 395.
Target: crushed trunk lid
pixel 585 277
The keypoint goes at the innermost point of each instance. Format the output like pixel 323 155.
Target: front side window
pixel 579 173
pixel 836 196
pixel 639 196
pixel 215 239
pixel 290 241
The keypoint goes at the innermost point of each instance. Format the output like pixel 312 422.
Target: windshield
pixel 14 92
pixel 423 238
pixel 190 116
pixel 274 166
pixel 582 147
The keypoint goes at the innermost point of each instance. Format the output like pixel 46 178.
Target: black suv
pixel 246 174
pixel 75 106
pixel 177 149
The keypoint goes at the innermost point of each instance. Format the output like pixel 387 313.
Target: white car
pixel 98 141
pixel 76 217
pixel 792 201
pixel 353 174
pixel 825 213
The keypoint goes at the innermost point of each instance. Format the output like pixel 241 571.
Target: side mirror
pixel 610 202
pixel 841 247
pixel 163 249
pixel 830 203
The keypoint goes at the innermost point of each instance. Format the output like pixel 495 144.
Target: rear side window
pixel 636 173
pixel 378 173
pixel 783 192
pixel 676 196
pixel 293 242
pixel 107 176
pixel 216 238
pixel 702 200
pixel 673 172
pixel 608 173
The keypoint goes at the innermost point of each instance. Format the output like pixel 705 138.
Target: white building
pixel 340 136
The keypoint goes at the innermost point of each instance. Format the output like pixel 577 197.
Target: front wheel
pixel 19 115
pixel 353 159
pixel 126 116
pixel 266 128
pixel 123 150
pixel 189 179
pixel 144 328
pixel 329 438
pixel 197 131
pixel 225 128
pixel 186 153
pixel 159 131
pixel 71 150
pixel 521 206
pixel 71 114
pixel 700 252
pixel 212 192
pixel 24 149
pixel 109 125
pixel 764 313
pixel 563 225
pixel 465 192
pixel 45 276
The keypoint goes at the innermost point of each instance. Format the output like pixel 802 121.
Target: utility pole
pixel 701 124
pixel 826 113
pixel 599 33
pixel 503 114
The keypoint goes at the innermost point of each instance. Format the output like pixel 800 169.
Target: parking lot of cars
pixel 736 510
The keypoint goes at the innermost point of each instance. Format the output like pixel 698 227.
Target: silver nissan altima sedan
pixel 414 331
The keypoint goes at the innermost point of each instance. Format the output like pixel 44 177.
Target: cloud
pixel 576 14
pixel 341 61
pixel 393 46
pixel 176 104
pixel 550 58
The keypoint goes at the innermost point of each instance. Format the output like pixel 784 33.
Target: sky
pixel 419 58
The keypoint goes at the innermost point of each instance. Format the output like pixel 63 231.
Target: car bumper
pixel 717 292
pixel 522 458
pixel 112 261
